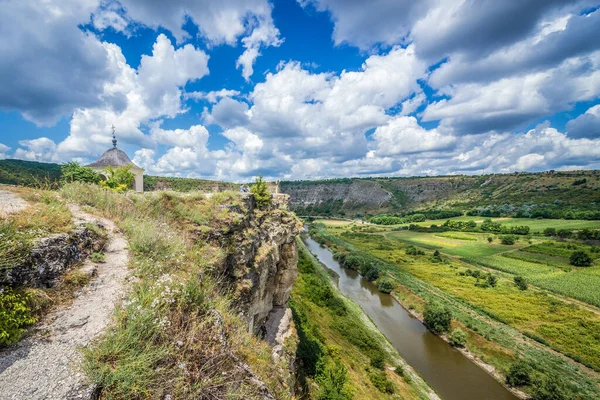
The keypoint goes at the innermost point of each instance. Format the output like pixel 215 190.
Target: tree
pixel 118 179
pixel 508 239
pixel 385 285
pixel 437 318
pixel 492 280
pixel 458 338
pixel 73 172
pixel 519 374
pixel 520 282
pixel 261 192
pixel 436 256
pixel 580 258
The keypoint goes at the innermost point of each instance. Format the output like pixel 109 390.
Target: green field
pixel 536 225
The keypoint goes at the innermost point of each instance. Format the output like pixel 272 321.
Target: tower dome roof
pixel 113 158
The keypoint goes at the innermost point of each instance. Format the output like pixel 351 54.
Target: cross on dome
pixel 114 138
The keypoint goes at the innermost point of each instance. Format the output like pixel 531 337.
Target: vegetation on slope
pixel 177 334
pixel 496 318
pixel 569 194
pixel 341 354
pixel 28 173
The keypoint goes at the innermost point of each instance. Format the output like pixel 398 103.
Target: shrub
pixel 380 380
pixel 261 192
pixel 378 360
pixel 73 172
pixel 492 280
pixel 458 338
pixel 519 374
pixel 385 285
pixel 332 382
pixel 413 251
pixel 550 232
pixel 520 282
pixel 436 257
pixel 437 318
pixel 14 315
pixel 508 239
pixel 118 179
pixel 369 271
pixel 551 388
pixel 490 239
pixel 580 258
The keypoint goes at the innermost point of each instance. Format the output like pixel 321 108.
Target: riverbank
pixel 338 339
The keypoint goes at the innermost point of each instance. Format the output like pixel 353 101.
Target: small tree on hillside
pixel 261 192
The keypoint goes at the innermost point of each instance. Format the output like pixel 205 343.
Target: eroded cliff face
pixel 261 261
pixel 372 195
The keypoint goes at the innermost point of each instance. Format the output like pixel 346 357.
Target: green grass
pixel 333 329
pixel 458 235
pixel 496 318
pixel 452 246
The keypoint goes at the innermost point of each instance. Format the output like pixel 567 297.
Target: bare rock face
pixel 261 261
pixel 50 258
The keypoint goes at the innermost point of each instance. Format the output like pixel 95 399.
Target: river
pixel 452 375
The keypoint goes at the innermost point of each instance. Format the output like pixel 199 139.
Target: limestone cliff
pixel 261 260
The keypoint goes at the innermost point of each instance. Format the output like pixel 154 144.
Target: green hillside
pixel 28 173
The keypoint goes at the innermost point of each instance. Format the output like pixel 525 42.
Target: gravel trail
pixel 10 203
pixel 47 364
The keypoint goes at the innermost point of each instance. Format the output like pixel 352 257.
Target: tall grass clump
pixel 178 333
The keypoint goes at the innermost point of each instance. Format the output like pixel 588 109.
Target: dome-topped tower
pixel 117 158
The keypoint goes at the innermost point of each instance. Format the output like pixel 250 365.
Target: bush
pixel 14 315
pixel 458 338
pixel 519 374
pixel 378 360
pixel 332 382
pixel 550 232
pixel 490 239
pixel 261 192
pixel 437 318
pixel 385 285
pixel 492 280
pixel 580 258
pixel 118 179
pixel 436 257
pixel 73 172
pixel 551 388
pixel 508 239
pixel 369 271
pixel 520 282
pixel 413 251
pixel 380 380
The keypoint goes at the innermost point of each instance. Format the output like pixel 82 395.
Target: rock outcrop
pixel 261 260
pixel 50 257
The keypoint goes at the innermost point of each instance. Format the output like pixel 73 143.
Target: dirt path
pixel 10 203
pixel 47 365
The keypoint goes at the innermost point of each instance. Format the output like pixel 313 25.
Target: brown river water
pixel 452 375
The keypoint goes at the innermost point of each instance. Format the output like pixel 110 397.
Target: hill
pixel 28 173
pixel 553 192
pixel 31 173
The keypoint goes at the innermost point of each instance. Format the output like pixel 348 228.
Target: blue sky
pixel 304 89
